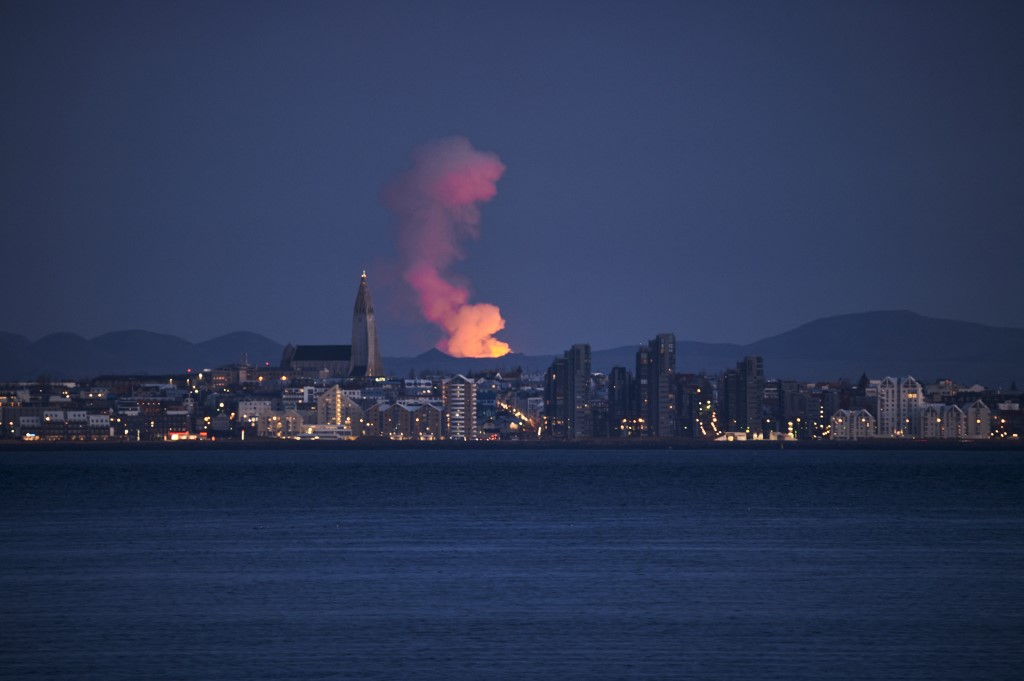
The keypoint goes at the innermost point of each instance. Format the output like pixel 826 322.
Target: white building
pixel 848 424
pixel 939 422
pixel 978 421
pixel 898 402
pixel 459 394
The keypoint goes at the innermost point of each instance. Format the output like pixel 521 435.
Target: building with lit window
pixel 939 422
pixel 412 420
pixel 620 401
pixel 658 390
pixel 848 424
pixel 459 396
pixel 977 421
pixel 898 402
pixel 334 408
pixel 742 396
pixel 567 394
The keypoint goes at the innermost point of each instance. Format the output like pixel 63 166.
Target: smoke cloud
pixel 436 203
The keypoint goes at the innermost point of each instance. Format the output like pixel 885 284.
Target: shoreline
pixel 371 444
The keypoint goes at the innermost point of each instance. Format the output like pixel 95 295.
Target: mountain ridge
pixel 879 343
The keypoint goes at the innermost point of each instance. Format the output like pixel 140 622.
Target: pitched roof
pixel 322 353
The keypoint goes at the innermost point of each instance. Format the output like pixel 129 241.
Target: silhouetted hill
pixel 10 342
pixel 259 349
pixel 141 351
pixel 893 343
pixel 885 343
pixel 70 356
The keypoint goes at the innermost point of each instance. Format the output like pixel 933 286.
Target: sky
pixel 722 170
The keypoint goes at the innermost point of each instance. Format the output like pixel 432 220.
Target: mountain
pixel 260 350
pixel 11 342
pixel 895 343
pixel 70 356
pixel 886 343
pixel 143 352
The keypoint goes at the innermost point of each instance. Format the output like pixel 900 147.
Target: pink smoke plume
pixel 436 203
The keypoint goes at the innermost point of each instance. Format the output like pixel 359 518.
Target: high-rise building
pixel 642 392
pixel 459 395
pixel 743 394
pixel 567 394
pixel 620 393
pixel 898 402
pixel 752 390
pixel 365 349
pixel 655 401
pixel 663 394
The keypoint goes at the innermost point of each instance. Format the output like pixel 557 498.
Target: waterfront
pixel 512 564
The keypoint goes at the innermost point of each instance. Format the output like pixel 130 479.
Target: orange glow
pixel 470 327
pixel 473 332
pixel 436 203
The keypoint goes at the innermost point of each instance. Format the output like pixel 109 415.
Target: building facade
pixel 459 396
pixel 743 394
pixel 849 424
pixel 567 395
pixel 898 402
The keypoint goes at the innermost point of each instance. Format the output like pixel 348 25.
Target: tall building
pixel 459 395
pixel 898 403
pixel 620 393
pixel 365 349
pixel 752 390
pixel 567 395
pixel 655 401
pixel 662 418
pixel 642 392
pixel 743 393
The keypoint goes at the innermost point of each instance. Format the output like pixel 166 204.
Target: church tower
pixel 365 351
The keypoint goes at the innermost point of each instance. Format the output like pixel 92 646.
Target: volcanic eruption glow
pixel 436 205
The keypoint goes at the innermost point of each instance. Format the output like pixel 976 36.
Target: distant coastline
pixel 379 444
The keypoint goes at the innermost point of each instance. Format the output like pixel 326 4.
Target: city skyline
pixel 726 172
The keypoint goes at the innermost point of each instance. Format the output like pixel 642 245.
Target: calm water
pixel 512 565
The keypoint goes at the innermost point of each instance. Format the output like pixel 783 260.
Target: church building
pixel 361 359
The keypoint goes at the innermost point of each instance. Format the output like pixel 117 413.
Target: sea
pixel 512 564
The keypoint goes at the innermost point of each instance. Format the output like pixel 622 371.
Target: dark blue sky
pixel 724 170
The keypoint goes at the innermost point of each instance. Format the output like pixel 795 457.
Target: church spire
pixel 365 350
pixel 364 304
